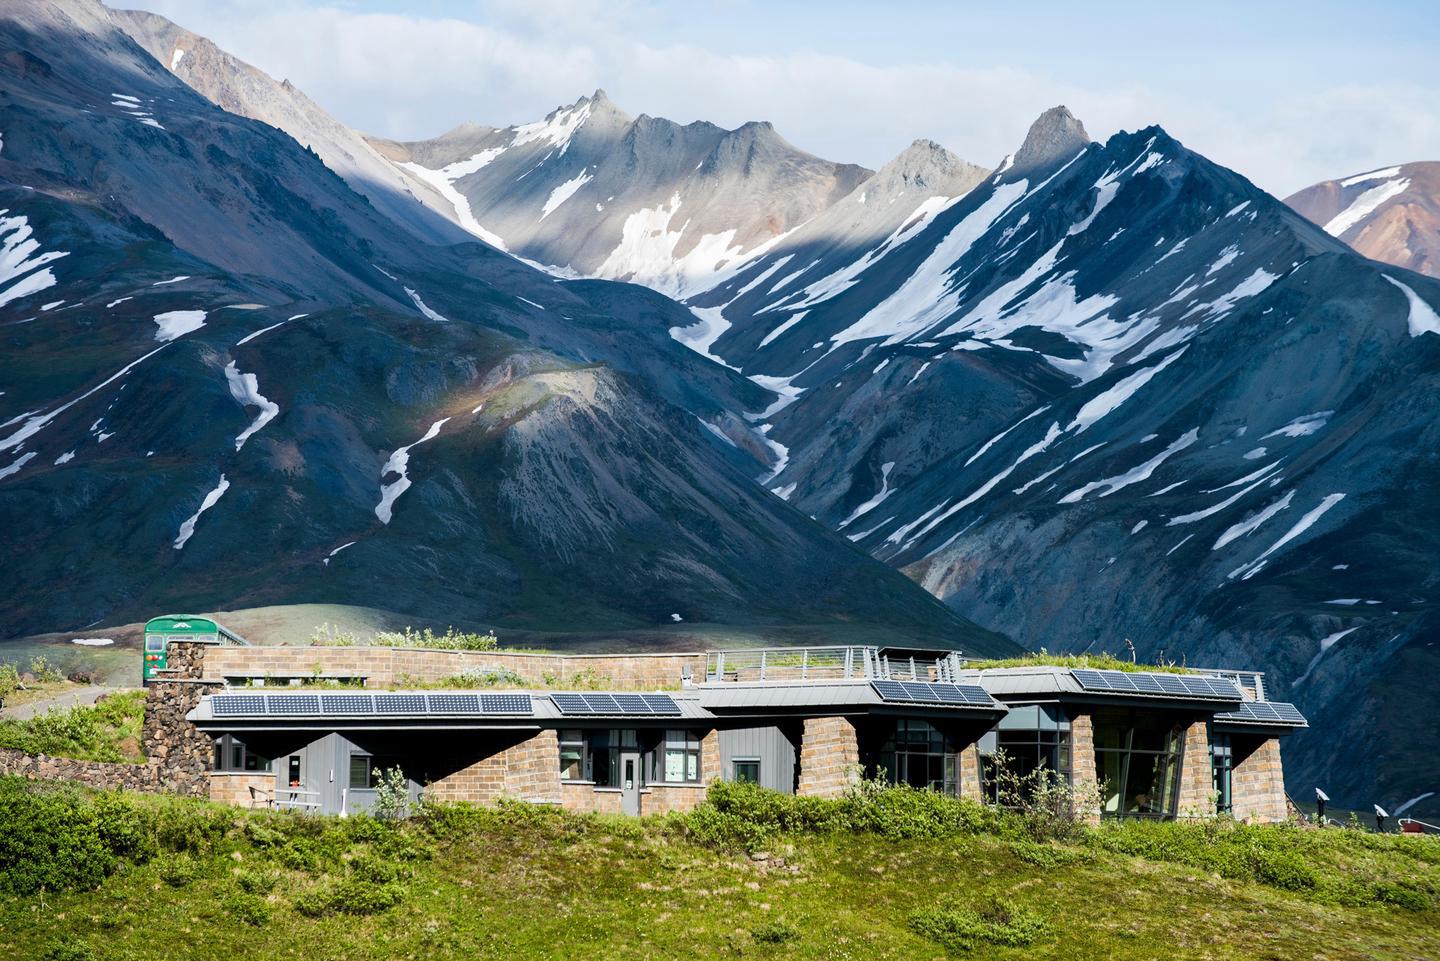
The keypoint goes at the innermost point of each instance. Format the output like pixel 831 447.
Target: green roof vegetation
pixel 882 874
pixel 1094 662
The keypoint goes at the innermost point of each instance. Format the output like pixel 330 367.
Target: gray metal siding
pixel 774 750
pixel 325 768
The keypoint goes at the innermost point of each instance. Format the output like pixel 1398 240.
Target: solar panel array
pixel 628 705
pixel 1265 712
pixel 943 695
pixel 361 705
pixel 1158 684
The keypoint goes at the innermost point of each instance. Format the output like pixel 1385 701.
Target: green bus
pixel 160 631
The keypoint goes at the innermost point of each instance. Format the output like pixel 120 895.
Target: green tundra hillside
pixel 893 873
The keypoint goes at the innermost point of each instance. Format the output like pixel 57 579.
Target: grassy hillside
pixel 893 874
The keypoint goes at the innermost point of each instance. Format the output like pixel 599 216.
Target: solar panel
pixel 1157 684
pixel 889 690
pixel 454 703
pixel 231 705
pixel 570 703
pixel 347 703
pixel 661 704
pixel 505 703
pixel 306 705
pixel 632 704
pixel 400 703
pixel 944 695
pixel 602 704
pixel 1264 712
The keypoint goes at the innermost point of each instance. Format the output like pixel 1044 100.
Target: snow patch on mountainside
pixel 187 528
pixel 563 193
pixel 245 388
pixel 443 180
pixel 20 254
pixel 399 463
pixel 177 323
pixel 1423 319
pixel 1364 205
pixel 646 253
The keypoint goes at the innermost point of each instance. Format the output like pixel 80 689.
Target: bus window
pixel 154 643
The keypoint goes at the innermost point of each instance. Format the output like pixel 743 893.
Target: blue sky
pixel 1286 93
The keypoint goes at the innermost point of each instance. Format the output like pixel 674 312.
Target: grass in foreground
pixel 898 874
pixel 108 731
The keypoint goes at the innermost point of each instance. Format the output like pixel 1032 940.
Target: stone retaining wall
pixel 96 774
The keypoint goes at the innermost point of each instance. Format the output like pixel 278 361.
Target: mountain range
pixel 1100 395
pixel 1391 214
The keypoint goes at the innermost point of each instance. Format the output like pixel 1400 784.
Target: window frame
pixel 918 740
pixel 233 756
pixel 1166 765
pixel 736 762
pixel 370 771
pixel 684 743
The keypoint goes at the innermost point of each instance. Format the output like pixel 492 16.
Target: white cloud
pixel 411 77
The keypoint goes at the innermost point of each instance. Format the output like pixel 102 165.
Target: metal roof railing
pixel 827 663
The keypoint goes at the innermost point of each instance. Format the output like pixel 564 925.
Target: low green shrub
pixel 259 882
pixel 775 932
pixel 71 949
pixel 960 929
pixel 1043 855
pixel 247 908
pixel 179 870
pixel 354 896
pixel 745 816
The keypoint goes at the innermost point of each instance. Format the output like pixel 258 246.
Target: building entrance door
pixel 631 781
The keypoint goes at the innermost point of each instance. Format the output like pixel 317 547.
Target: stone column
pixel 969 761
pixel 1257 783
pixel 1197 784
pixel 1083 774
pixel 710 757
pixel 829 756
pixel 181 752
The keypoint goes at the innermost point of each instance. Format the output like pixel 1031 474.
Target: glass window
pixel 154 643
pixel 293 779
pixel 604 750
pixel 231 754
pixel 1137 759
pixel 1034 738
pixel 746 769
pixel 362 771
pixel 677 758
pixel 1221 764
pixel 919 754
pixel 572 756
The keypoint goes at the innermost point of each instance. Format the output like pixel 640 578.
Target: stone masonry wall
pixel 1083 773
pixel 1196 781
pixel 529 770
pixel 182 752
pixel 245 789
pixel 829 756
pixel 97 774
pixel 1257 783
pixel 970 773
pixel 391 667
